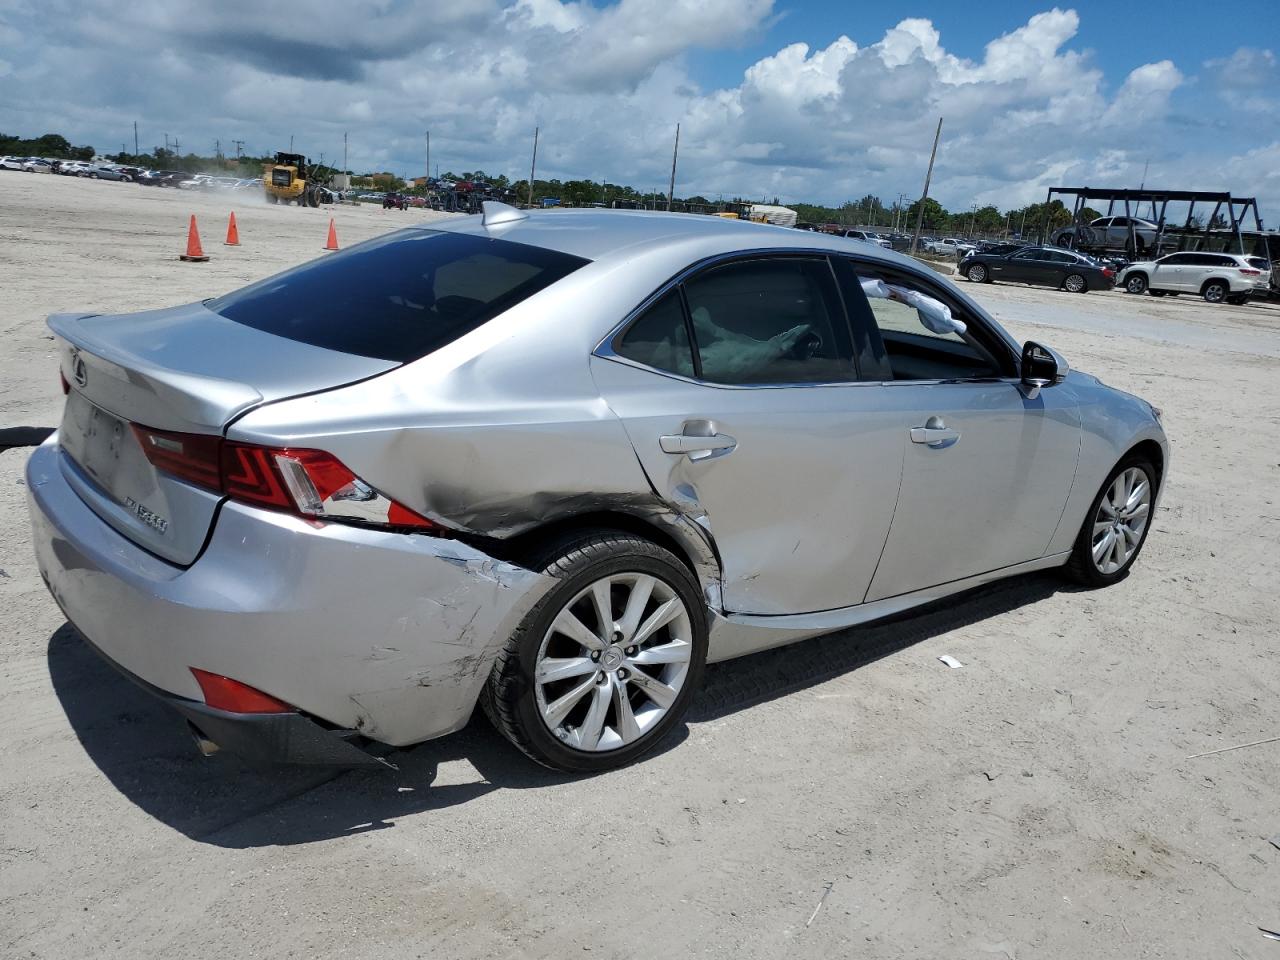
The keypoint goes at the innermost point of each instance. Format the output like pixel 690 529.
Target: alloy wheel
pixel 613 662
pixel 977 273
pixel 1121 520
pixel 1074 283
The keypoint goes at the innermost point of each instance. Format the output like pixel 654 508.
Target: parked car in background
pixel 1043 266
pixel 1218 277
pixel 395 201
pixel 249 494
pixel 106 173
pixel 10 163
pixel 1110 233
pixel 865 236
pixel 949 246
pixel 37 165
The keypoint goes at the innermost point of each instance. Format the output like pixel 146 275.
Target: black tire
pixel 1215 291
pixel 1158 293
pixel 1080 567
pixel 1238 300
pixel 1076 281
pixel 978 273
pixel 1136 283
pixel 576 560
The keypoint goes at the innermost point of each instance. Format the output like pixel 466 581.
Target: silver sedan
pixel 554 463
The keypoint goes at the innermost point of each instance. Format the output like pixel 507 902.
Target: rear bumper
pixel 388 634
pixel 263 739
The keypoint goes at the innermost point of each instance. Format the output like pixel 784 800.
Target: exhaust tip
pixel 206 746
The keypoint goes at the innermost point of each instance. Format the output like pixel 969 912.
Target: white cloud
pixel 608 83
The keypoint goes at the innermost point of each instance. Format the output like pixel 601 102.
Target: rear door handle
pixel 934 433
pixel 697 448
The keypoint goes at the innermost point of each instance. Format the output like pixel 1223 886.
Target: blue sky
pixel 813 100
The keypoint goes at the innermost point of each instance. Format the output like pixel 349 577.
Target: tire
pixel 1082 567
pixel 1159 293
pixel 1215 291
pixel 1238 300
pixel 978 273
pixel 1075 283
pixel 515 701
pixel 1136 283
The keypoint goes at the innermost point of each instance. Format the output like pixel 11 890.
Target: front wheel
pixel 978 273
pixel 1075 283
pixel 605 665
pixel 1136 284
pixel 1116 526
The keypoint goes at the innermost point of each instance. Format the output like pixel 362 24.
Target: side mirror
pixel 1041 367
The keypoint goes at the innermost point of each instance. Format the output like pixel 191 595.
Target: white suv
pixel 1218 277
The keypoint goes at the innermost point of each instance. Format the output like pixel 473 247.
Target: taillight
pixel 1108 272
pixel 223 693
pixel 188 456
pixel 1250 272
pixel 307 483
pixel 66 387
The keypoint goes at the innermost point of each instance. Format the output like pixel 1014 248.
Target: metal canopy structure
pixel 1237 210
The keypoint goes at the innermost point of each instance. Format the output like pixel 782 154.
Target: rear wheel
pixel 1136 283
pixel 978 273
pixel 1075 283
pixel 605 665
pixel 1215 291
pixel 1116 526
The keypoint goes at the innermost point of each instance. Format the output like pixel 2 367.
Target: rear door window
pixel 398 297
pixel 770 321
pixel 659 338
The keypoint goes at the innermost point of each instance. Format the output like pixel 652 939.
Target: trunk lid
pixel 184 369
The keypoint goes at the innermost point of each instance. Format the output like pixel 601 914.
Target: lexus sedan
pixel 1044 266
pixel 554 463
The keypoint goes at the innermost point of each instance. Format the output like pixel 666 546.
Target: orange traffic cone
pixel 332 242
pixel 194 253
pixel 233 235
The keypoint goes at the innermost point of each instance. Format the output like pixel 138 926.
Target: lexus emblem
pixel 78 371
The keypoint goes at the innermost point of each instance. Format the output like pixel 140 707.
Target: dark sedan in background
pixel 1045 266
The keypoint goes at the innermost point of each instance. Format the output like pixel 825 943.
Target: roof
pixel 602 235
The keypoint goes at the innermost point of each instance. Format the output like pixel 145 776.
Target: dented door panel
pixel 798 507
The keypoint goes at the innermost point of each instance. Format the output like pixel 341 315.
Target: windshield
pixel 398 297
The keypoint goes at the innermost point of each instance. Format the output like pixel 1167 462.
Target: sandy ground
pixel 1035 803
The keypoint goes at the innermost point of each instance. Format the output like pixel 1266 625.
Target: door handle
pixel 697 448
pixel 935 434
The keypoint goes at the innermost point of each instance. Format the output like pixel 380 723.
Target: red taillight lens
pixel 1250 272
pixel 189 456
pixel 66 387
pixel 1108 272
pixel 223 693
pixel 308 483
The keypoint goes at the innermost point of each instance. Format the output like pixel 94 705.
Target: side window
pixel 659 338
pixel 1177 260
pixel 924 337
pixel 769 321
pixel 1030 253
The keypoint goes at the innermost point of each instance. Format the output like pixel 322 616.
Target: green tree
pixel 935 217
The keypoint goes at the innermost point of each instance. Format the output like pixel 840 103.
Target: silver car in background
pixel 554 463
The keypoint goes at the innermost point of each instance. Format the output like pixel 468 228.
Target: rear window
pixel 1258 263
pixel 398 297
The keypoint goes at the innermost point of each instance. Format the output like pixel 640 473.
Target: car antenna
pixel 496 213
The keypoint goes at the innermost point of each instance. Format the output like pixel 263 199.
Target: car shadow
pixel 141 745
pixel 11 437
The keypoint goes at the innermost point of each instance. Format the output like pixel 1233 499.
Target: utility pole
pixel 291 143
pixel 344 151
pixel 428 171
pixel 533 165
pixel 1146 166
pixel 239 148
pixel 135 138
pixel 915 239
pixel 177 148
pixel 671 188
pixel 217 149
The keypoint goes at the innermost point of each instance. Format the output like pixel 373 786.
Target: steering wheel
pixel 806 345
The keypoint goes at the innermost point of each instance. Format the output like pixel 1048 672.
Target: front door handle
pixel 935 434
